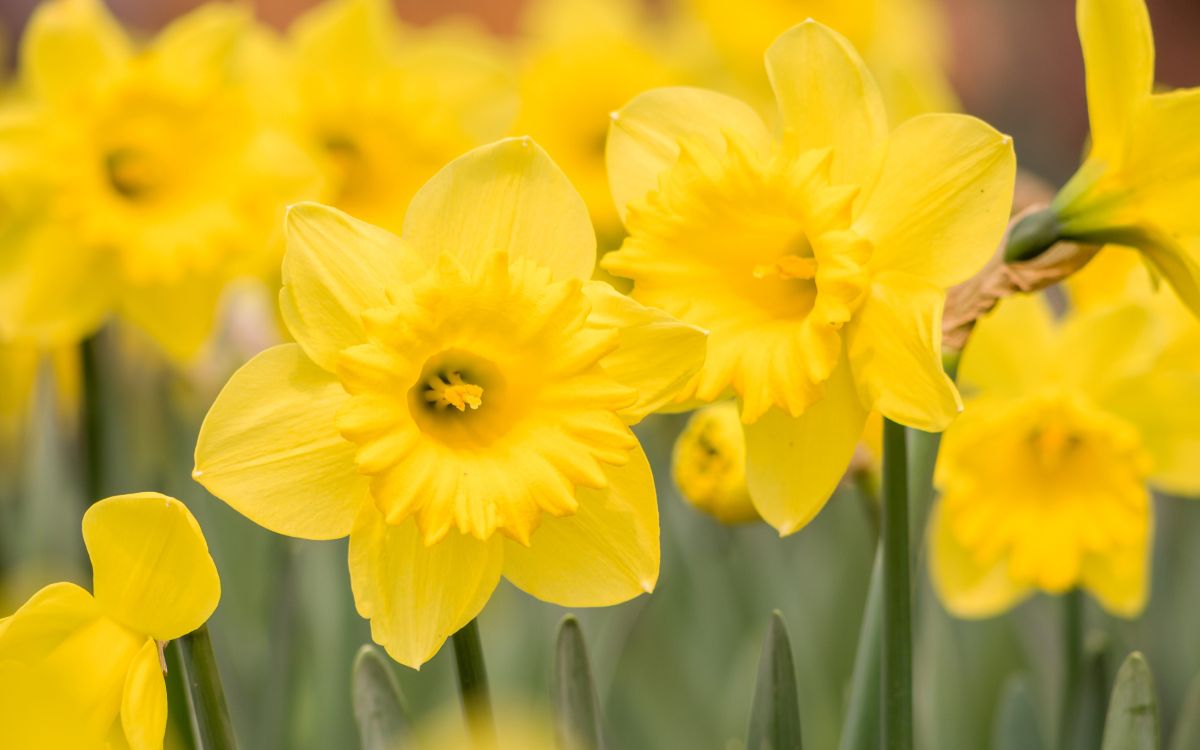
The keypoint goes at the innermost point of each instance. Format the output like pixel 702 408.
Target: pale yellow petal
pixel 1163 162
pixel 942 201
pixel 45 619
pixel 829 99
pixel 1120 580
pixel 895 347
pixel 1118 56
pixel 657 356
pixel 70 47
pixel 1098 349
pixel 416 596
pixel 966 588
pixel 346 35
pixel 644 135
pixel 606 553
pixel 1010 349
pixel 1179 263
pixel 793 464
pixel 1164 406
pixel 271 449
pixel 144 701
pixel 194 52
pixel 179 317
pixel 504 197
pixel 151 570
pixel 335 268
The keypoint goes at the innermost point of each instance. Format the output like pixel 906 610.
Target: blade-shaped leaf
pixel 1016 726
pixel 577 711
pixel 378 704
pixel 775 716
pixel 1186 735
pixel 1132 722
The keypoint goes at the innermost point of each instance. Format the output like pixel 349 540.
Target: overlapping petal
pixel 144 701
pixel 965 586
pixel 1118 55
pixel 1010 350
pixel 70 47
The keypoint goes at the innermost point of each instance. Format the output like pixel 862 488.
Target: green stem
pixel 206 697
pixel 860 728
pixel 1072 642
pixel 896 724
pixel 1033 235
pixel 473 684
pixel 91 419
pixel 180 718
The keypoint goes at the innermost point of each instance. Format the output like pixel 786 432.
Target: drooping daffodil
pixel 458 402
pixel 84 670
pixel 817 259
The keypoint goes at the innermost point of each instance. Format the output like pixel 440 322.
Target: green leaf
pixel 577 710
pixel 1016 726
pixel 1187 728
pixel 378 704
pixel 1132 722
pixel 775 716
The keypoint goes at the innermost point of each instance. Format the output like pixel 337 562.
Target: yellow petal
pixel 943 197
pixel 144 702
pixel 1118 56
pixel 1010 349
pixel 271 449
pixel 1120 580
pixel 793 464
pixel 829 99
pixel 335 268
pixel 1100 348
pixel 644 135
pixel 353 35
pixel 508 197
pixel 45 619
pixel 1163 405
pixel 416 596
pixel 1163 162
pixel 178 316
pixel 151 570
pixel 70 47
pixel 1179 264
pixel 966 588
pixel 604 554
pixel 895 346
pixel 657 355
pixel 194 52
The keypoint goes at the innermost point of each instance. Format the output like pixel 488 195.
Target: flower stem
pixel 473 684
pixel 91 424
pixel 860 726
pixel 897 729
pixel 1072 644
pixel 206 697
pixel 1032 235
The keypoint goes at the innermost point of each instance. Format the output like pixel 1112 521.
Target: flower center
pixel 450 390
pixel 131 173
pixel 447 403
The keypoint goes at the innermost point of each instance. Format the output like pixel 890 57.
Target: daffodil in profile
pixel 84 670
pixel 1140 183
pixel 458 402
pixel 1045 477
pixel 817 259
pixel 141 175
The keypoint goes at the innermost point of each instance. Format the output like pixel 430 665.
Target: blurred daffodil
pixel 458 403
pixel 1140 182
pixel 1044 477
pixel 817 260
pixel 84 670
pixel 383 106
pixel 709 464
pixel 146 178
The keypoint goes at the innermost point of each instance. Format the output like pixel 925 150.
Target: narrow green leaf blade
pixel 378 704
pixel 1016 726
pixel 1186 735
pixel 775 716
pixel 1132 722
pixel 577 710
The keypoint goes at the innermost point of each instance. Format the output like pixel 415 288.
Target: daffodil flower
pixel 147 178
pixel 458 402
pixel 817 259
pixel 709 464
pixel 1140 182
pixel 1044 477
pixel 84 670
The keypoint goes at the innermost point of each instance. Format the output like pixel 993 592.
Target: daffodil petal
pixel 943 198
pixel 179 317
pixel 1118 57
pixel 895 346
pixel 1179 263
pixel 644 135
pixel 1163 161
pixel 829 99
pixel 46 619
pixel 966 588
pixel 657 355
pixel 270 448
pixel 70 46
pixel 606 553
pixel 151 570
pixel 1099 348
pixel 794 464
pixel 335 268
pixel 195 49
pixel 1163 405
pixel 1120 580
pixel 416 596
pixel 1009 349
pixel 504 197
pixel 353 35
pixel 144 701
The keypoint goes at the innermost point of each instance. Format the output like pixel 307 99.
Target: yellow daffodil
pixel 903 43
pixel 817 260
pixel 457 402
pixel 709 464
pixel 1044 477
pixel 146 178
pixel 1141 180
pixel 383 106
pixel 84 670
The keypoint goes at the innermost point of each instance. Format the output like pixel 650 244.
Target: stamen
pixel 452 390
pixel 788 267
